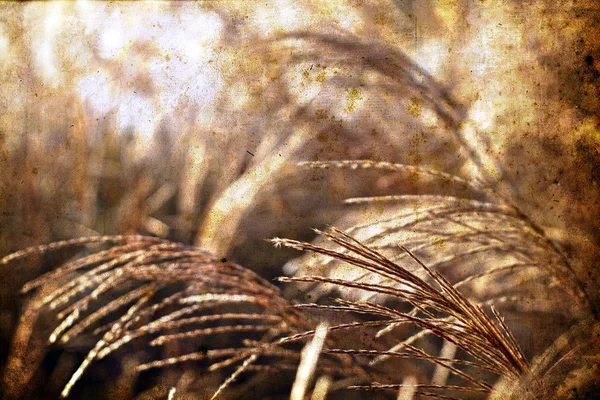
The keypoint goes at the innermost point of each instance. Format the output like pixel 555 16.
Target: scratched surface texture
pixel 216 124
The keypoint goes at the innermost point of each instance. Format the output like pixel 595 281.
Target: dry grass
pixel 507 229
pixel 176 308
pixel 486 244
pixel 148 292
pixel 166 295
pixel 444 312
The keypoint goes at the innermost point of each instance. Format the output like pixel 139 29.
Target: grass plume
pixel 440 309
pixel 157 294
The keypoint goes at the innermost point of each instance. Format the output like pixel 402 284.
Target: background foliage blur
pixel 185 120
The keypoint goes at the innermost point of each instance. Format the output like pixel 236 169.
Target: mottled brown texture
pixel 187 120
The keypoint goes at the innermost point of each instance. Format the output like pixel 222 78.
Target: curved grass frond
pixel 169 303
pixel 396 167
pixel 471 240
pixel 485 246
pixel 439 308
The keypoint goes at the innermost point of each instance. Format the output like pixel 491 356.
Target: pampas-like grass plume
pixel 442 310
pixel 161 295
pixel 171 307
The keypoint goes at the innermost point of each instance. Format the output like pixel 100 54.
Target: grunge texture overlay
pixel 178 154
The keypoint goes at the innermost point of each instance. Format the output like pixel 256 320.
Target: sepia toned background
pixel 187 120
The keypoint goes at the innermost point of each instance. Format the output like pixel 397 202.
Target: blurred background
pixel 186 120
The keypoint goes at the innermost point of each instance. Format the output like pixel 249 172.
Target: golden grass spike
pixel 322 388
pixel 308 363
pixel 247 362
pixel 171 395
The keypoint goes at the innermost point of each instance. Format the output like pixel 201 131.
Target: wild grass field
pixel 163 162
